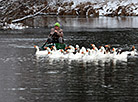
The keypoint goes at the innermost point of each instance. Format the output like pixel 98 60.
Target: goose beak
pixel 61 50
pixel 52 47
pixel 87 51
pixel 48 52
pixel 46 48
pixel 113 49
pixel 133 47
pixel 34 46
pixel 82 52
pixel 92 44
pixel 75 48
pixel 106 45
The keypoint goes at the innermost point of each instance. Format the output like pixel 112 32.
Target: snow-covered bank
pixel 14 26
pixel 96 8
pixel 14 11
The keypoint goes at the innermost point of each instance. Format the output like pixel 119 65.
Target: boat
pixel 57 45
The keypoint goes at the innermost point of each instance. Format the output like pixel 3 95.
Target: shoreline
pixel 72 22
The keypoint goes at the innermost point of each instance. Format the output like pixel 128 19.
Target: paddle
pixel 42 47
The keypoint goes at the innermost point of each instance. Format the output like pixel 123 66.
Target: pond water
pixel 26 78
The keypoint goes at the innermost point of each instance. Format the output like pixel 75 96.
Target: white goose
pixel 72 49
pixel 54 48
pixel 78 54
pixel 83 50
pixel 114 54
pixel 102 50
pixel 101 53
pixel 118 56
pixel 89 55
pixel 77 49
pixel 69 53
pixel 133 52
pixel 40 53
pixel 94 47
pixel 54 54
pixel 83 53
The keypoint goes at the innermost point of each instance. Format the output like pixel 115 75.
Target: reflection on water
pixel 84 23
pixel 28 78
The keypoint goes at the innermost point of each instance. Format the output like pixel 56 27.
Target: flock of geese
pixel 94 53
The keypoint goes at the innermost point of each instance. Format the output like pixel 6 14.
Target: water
pixel 26 78
pixel 83 23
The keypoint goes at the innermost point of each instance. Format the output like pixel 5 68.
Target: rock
pixel 71 3
pixel 61 11
pixel 92 12
pixel 123 12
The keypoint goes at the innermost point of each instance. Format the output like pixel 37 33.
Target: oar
pixel 42 47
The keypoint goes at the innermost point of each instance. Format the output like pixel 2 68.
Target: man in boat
pixel 56 34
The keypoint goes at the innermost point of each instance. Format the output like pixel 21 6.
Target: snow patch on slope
pixel 15 26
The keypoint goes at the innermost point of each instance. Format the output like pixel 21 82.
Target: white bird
pixel 118 56
pixel 54 54
pixel 69 53
pixel 76 53
pixel 133 51
pixel 114 54
pixel 88 56
pixel 40 53
pixel 102 50
pixel 77 49
pixel 72 49
pixel 83 50
pixel 83 53
pixel 54 48
pixel 94 47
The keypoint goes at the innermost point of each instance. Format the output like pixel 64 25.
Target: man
pixel 56 34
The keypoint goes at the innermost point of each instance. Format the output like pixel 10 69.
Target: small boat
pixel 57 45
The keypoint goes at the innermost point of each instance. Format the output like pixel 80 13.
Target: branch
pixel 29 16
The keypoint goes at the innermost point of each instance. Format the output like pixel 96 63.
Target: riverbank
pixel 75 23
pixel 20 10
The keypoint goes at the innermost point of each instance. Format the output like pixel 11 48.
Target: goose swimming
pixel 41 53
pixel 75 53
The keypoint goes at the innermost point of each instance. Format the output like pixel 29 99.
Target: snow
pixel 104 7
pixel 76 2
pixel 15 26
pixel 134 1
pixel 135 11
pixel 96 6
pixel 20 19
pixel 59 10
pixel 108 6
pixel 111 3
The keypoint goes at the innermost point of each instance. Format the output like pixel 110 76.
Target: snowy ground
pixel 104 7
pixel 14 26
pixel 13 11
